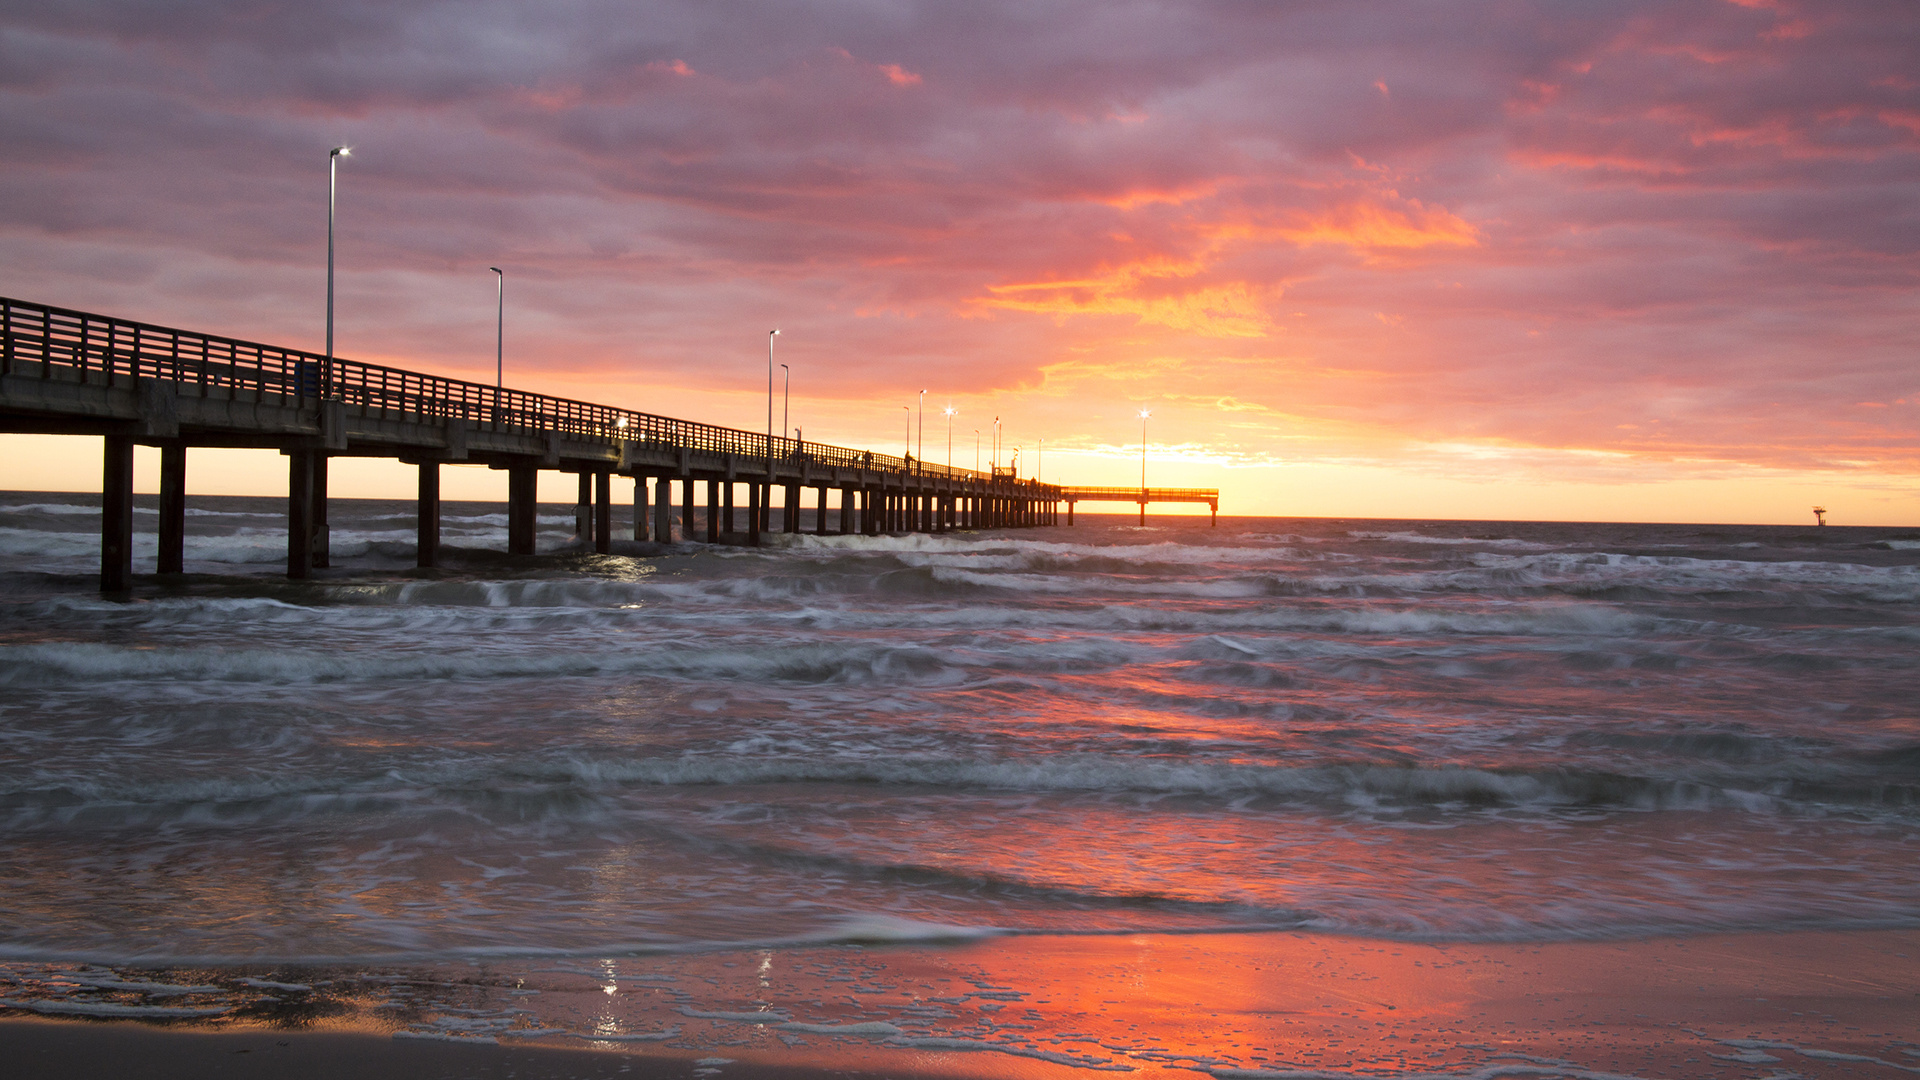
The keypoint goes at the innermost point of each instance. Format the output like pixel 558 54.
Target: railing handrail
pixel 125 347
pixel 1070 491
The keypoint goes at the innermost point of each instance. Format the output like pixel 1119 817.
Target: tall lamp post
pixel 995 463
pixel 1143 465
pixel 771 334
pixel 499 333
pixel 950 413
pixel 908 409
pixel 333 173
pixel 786 398
pixel 920 450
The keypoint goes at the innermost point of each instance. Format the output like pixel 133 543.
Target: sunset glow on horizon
pixel 1624 261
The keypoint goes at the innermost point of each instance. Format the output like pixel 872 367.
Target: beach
pixel 1285 797
pixel 1285 1004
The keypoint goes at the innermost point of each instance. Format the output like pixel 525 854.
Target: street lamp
pixel 950 413
pixel 499 332
pixel 1143 453
pixel 921 448
pixel 786 398
pixel 996 446
pixel 908 409
pixel 333 170
pixel 771 334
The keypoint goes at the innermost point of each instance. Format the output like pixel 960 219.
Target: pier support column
pixel 1143 511
pixel 713 511
pixel 1213 515
pixel 1069 511
pixel 639 509
pixel 322 536
pixel 820 513
pixel 731 518
pixel 173 508
pixel 847 509
pixel 523 488
pixel 116 515
pixel 791 516
pixel 686 510
pixel 663 510
pixel 583 510
pixel 299 514
pixel 603 512
pixel 753 514
pixel 429 515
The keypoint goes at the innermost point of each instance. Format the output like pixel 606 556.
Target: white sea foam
pixel 876 1028
pixel 643 1036
pixel 1446 541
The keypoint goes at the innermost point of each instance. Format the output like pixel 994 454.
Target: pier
pixel 1143 496
pixel 131 383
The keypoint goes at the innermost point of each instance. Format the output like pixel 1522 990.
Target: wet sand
pixel 1817 1005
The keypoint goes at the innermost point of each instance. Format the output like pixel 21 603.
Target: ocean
pixel 234 794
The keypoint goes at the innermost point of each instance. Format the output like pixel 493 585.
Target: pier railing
pixel 109 350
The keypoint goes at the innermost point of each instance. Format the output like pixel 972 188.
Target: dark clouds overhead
pixel 1683 229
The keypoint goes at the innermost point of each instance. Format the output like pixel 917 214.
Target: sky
pixel 1586 260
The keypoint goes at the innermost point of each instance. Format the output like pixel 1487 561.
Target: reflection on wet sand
pixel 1232 1005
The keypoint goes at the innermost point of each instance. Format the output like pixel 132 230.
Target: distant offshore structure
pixel 1819 515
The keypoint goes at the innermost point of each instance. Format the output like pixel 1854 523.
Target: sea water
pixel 1405 730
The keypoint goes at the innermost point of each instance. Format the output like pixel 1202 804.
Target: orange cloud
pixel 1156 290
pixel 900 76
pixel 1232 309
pixel 1371 225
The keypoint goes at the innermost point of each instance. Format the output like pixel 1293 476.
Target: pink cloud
pixel 1662 229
